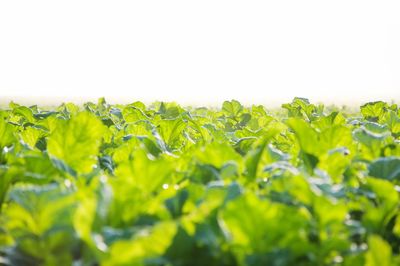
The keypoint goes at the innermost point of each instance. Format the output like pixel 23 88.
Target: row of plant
pixel 103 184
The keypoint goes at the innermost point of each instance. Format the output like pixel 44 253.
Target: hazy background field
pixel 199 53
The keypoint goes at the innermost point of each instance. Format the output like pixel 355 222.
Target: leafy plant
pixel 160 184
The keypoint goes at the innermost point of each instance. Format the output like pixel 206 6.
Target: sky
pixel 200 52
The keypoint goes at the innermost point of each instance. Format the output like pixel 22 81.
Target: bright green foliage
pixel 76 142
pixel 6 132
pixel 386 168
pixel 147 244
pixel 379 252
pixel 103 184
pixel 255 226
pixel 374 111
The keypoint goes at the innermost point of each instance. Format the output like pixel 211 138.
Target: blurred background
pixel 200 52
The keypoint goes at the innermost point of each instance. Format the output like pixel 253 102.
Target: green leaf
pixel 336 136
pixel 384 205
pixel 143 172
pixel 379 252
pixel 171 132
pixel 392 120
pixel 217 154
pixel 33 167
pixel 31 136
pixel 371 141
pixel 254 156
pixel 232 108
pixel 84 217
pixel 386 168
pixel 252 161
pixel 301 108
pixel 133 114
pixel 334 118
pixel 170 110
pixel 255 225
pixel 374 111
pixel 149 243
pixel 76 142
pixel 306 136
pixel 6 133
pixel 39 220
pixel 25 112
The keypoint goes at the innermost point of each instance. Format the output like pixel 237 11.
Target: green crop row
pixel 103 184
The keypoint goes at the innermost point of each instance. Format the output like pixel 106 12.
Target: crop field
pixel 136 184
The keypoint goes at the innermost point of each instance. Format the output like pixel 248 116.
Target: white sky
pixel 200 52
